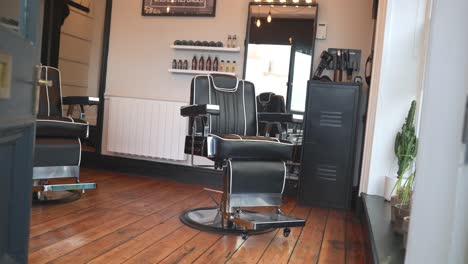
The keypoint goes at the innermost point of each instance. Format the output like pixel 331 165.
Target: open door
pixel 20 32
pixel 300 66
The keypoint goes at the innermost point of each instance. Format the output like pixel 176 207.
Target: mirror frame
pixel 314 34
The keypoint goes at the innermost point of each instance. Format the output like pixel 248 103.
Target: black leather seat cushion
pixel 64 127
pixel 251 148
pixel 257 176
pixel 56 152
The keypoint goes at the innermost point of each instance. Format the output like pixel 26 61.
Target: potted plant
pixel 406 145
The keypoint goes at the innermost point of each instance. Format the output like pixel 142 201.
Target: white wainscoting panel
pixel 146 128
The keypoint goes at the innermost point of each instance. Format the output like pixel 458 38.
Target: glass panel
pixel 268 73
pixel 12 15
pixel 302 63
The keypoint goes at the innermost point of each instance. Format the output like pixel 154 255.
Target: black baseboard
pixel 175 172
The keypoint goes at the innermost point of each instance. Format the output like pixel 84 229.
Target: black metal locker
pixel 328 149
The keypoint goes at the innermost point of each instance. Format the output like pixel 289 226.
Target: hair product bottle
pixel 194 63
pixel 201 64
pixel 234 42
pixel 234 67
pixel 174 64
pixel 179 65
pixel 208 64
pixel 185 66
pixel 229 42
pixel 227 66
pixel 222 66
pixel 215 64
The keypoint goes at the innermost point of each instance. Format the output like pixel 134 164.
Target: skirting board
pixel 175 172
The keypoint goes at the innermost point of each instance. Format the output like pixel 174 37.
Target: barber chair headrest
pixel 224 83
pixel 270 102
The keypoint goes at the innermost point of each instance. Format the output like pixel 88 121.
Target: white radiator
pixel 146 128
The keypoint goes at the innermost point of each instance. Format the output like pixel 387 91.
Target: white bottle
pixel 234 67
pixel 234 42
pixel 229 42
pixel 222 66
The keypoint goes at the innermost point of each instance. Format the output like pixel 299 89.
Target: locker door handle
pixel 465 126
pixel 465 132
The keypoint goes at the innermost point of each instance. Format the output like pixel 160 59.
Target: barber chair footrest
pixel 64 187
pixel 209 219
pixel 260 221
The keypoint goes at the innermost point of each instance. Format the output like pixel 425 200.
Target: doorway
pixel 73 42
pixel 279 51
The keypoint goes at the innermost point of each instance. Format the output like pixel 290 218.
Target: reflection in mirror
pixel 10 13
pixel 280 46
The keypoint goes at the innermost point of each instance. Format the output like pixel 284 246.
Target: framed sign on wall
pixel 179 8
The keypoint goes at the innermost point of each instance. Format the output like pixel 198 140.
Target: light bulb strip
pixel 292 2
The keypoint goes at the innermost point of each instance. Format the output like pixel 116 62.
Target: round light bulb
pixel 269 17
pixel 259 23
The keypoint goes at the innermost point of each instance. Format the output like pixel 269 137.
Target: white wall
pixel 349 25
pixel 139 53
pixel 397 80
pixel 10 9
pixel 438 228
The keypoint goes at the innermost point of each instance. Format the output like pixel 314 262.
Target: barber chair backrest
pixel 236 99
pixel 271 103
pixel 50 95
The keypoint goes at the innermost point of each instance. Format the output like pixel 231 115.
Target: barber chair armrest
pixel 199 110
pixel 275 117
pixel 62 127
pixel 80 100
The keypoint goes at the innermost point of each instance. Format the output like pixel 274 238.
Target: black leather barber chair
pixel 274 121
pixel 223 119
pixel 58 142
pixel 272 111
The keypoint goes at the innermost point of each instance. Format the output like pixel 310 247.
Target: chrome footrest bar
pixel 64 187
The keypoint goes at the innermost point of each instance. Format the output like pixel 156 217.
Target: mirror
pixel 279 50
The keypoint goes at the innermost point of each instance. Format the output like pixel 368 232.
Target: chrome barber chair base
pixel 56 197
pixel 209 219
pixel 59 193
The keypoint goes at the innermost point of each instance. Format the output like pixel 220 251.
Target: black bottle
pixel 185 65
pixel 179 65
pixel 174 64
pixel 194 63
pixel 201 64
pixel 208 64
pixel 215 64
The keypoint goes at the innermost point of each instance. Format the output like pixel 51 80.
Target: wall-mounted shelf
pixel 193 72
pixel 180 47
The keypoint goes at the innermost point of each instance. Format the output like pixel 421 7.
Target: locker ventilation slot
pixel 331 119
pixel 326 172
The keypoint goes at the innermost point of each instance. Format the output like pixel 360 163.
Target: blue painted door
pixel 20 34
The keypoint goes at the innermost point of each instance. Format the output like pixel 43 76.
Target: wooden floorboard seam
pixel 153 241
pixel 323 237
pixel 206 250
pixel 299 237
pixel 271 240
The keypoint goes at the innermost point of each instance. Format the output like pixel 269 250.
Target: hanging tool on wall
pixel 338 74
pixel 348 65
pixel 325 60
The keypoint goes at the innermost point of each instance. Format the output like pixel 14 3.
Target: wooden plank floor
pixel 132 219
